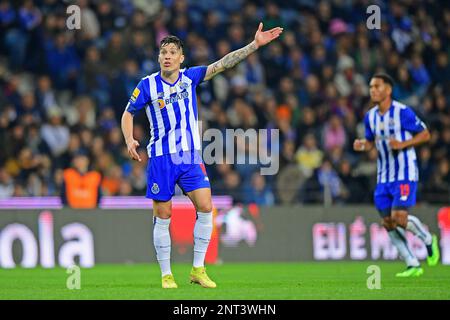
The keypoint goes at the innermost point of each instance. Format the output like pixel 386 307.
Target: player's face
pixel 379 90
pixel 170 57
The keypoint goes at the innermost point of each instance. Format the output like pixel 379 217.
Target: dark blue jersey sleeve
pixel 369 134
pixel 196 74
pixel 411 122
pixel 139 98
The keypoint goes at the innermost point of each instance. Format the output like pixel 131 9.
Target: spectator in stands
pixel 29 111
pixel 111 181
pixel 330 182
pixel 55 133
pixel 258 191
pixel 309 156
pixel 45 95
pixel 63 61
pixel 404 89
pixel 438 190
pixel 353 187
pixel 81 188
pixel 7 20
pixel 334 134
pixel 347 78
pixel 82 114
pixel 6 184
pixel 116 53
pixel 90 26
pixel 233 187
pixel 138 179
pixel 94 77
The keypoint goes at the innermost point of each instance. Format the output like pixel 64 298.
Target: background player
pixel 170 102
pixel 395 130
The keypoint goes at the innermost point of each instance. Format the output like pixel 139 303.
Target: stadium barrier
pixel 62 237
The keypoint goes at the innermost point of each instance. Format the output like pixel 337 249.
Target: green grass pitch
pixel 314 280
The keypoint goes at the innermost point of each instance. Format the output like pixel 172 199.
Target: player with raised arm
pixel 394 129
pixel 169 99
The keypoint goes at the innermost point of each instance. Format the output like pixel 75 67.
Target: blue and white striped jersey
pixel 171 110
pixel 401 123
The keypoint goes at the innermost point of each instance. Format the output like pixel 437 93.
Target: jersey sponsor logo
pixel 155 188
pixel 135 94
pixel 179 96
pixel 161 103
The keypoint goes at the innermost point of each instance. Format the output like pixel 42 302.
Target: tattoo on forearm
pixel 217 67
pixel 233 58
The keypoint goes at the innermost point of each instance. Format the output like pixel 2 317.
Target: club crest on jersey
pixel 391 125
pixel 155 188
pixel 183 85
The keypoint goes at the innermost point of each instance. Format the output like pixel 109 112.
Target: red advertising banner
pixel 444 225
pixel 182 228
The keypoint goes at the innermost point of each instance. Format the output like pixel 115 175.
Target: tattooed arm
pixel 230 60
pixel 233 58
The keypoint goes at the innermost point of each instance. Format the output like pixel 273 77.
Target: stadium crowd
pixel 62 92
